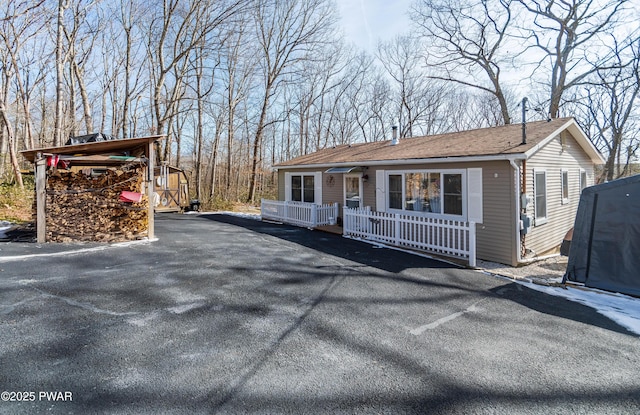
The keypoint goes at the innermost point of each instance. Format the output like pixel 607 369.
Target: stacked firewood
pixel 84 208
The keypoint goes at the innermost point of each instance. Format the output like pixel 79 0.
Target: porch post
pixel 472 244
pixel 346 225
pixel 150 208
pixel 41 198
pixel 314 215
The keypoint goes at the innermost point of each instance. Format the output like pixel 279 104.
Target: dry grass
pixel 245 208
pixel 15 203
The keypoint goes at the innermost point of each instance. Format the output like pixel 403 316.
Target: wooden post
pixel 150 167
pixel 41 198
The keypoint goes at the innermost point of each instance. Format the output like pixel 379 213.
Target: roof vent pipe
pixel 524 120
pixel 394 135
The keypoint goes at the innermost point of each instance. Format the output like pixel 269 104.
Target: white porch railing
pixel 303 214
pixel 440 236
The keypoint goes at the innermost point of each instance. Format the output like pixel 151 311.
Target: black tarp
pixel 605 248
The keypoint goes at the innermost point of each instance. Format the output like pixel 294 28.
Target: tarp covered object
pixel 89 138
pixel 605 249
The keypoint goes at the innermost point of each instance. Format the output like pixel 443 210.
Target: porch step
pixel 330 228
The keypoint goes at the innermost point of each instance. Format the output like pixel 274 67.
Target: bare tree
pixel 202 90
pixel 464 41
pixel 418 96
pixel 611 110
pixel 61 58
pixel 570 35
pixel 17 35
pixel 6 123
pixel 288 31
pixel 363 101
pixel 174 34
pixel 237 75
pixel 130 13
pixel 80 35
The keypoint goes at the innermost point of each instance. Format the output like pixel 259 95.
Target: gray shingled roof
pixel 494 141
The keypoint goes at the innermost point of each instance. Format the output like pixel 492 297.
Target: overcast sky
pixel 366 21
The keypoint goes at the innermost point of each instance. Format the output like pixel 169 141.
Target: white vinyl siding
pixel 554 157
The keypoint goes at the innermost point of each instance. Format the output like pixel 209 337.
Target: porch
pixel 308 215
pixel 445 237
pixel 438 236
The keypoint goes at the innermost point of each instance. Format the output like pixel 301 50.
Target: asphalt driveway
pixel 231 315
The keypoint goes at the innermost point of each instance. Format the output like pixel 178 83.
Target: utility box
pixel 525 223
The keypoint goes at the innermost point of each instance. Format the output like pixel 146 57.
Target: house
pixel 515 187
pixel 606 237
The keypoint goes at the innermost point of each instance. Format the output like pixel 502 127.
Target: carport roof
pixel 94 148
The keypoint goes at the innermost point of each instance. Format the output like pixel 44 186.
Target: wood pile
pixel 84 208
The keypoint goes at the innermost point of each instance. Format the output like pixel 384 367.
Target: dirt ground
pixel 549 269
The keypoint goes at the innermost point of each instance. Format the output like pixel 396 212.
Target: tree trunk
pixel 256 146
pixel 60 59
pixel 86 105
pixel 11 144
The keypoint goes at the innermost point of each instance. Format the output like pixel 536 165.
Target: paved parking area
pixel 231 315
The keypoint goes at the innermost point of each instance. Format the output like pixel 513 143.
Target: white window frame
pixel 443 172
pixel 388 207
pixel 542 219
pixel 565 185
pixel 317 186
pixel 584 178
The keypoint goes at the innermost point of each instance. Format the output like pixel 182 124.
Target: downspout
pixel 516 176
pixel 519 236
pixel 523 191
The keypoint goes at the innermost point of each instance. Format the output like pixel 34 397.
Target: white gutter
pixel 369 163
pixel 516 169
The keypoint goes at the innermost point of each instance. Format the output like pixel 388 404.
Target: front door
pixel 352 191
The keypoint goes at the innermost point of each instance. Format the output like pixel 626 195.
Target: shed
pixel 606 237
pixel 172 188
pixel 517 188
pixel 95 191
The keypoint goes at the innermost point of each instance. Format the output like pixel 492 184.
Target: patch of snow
pixel 77 251
pixel 622 309
pixel 4 226
pixel 183 308
pixel 254 216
